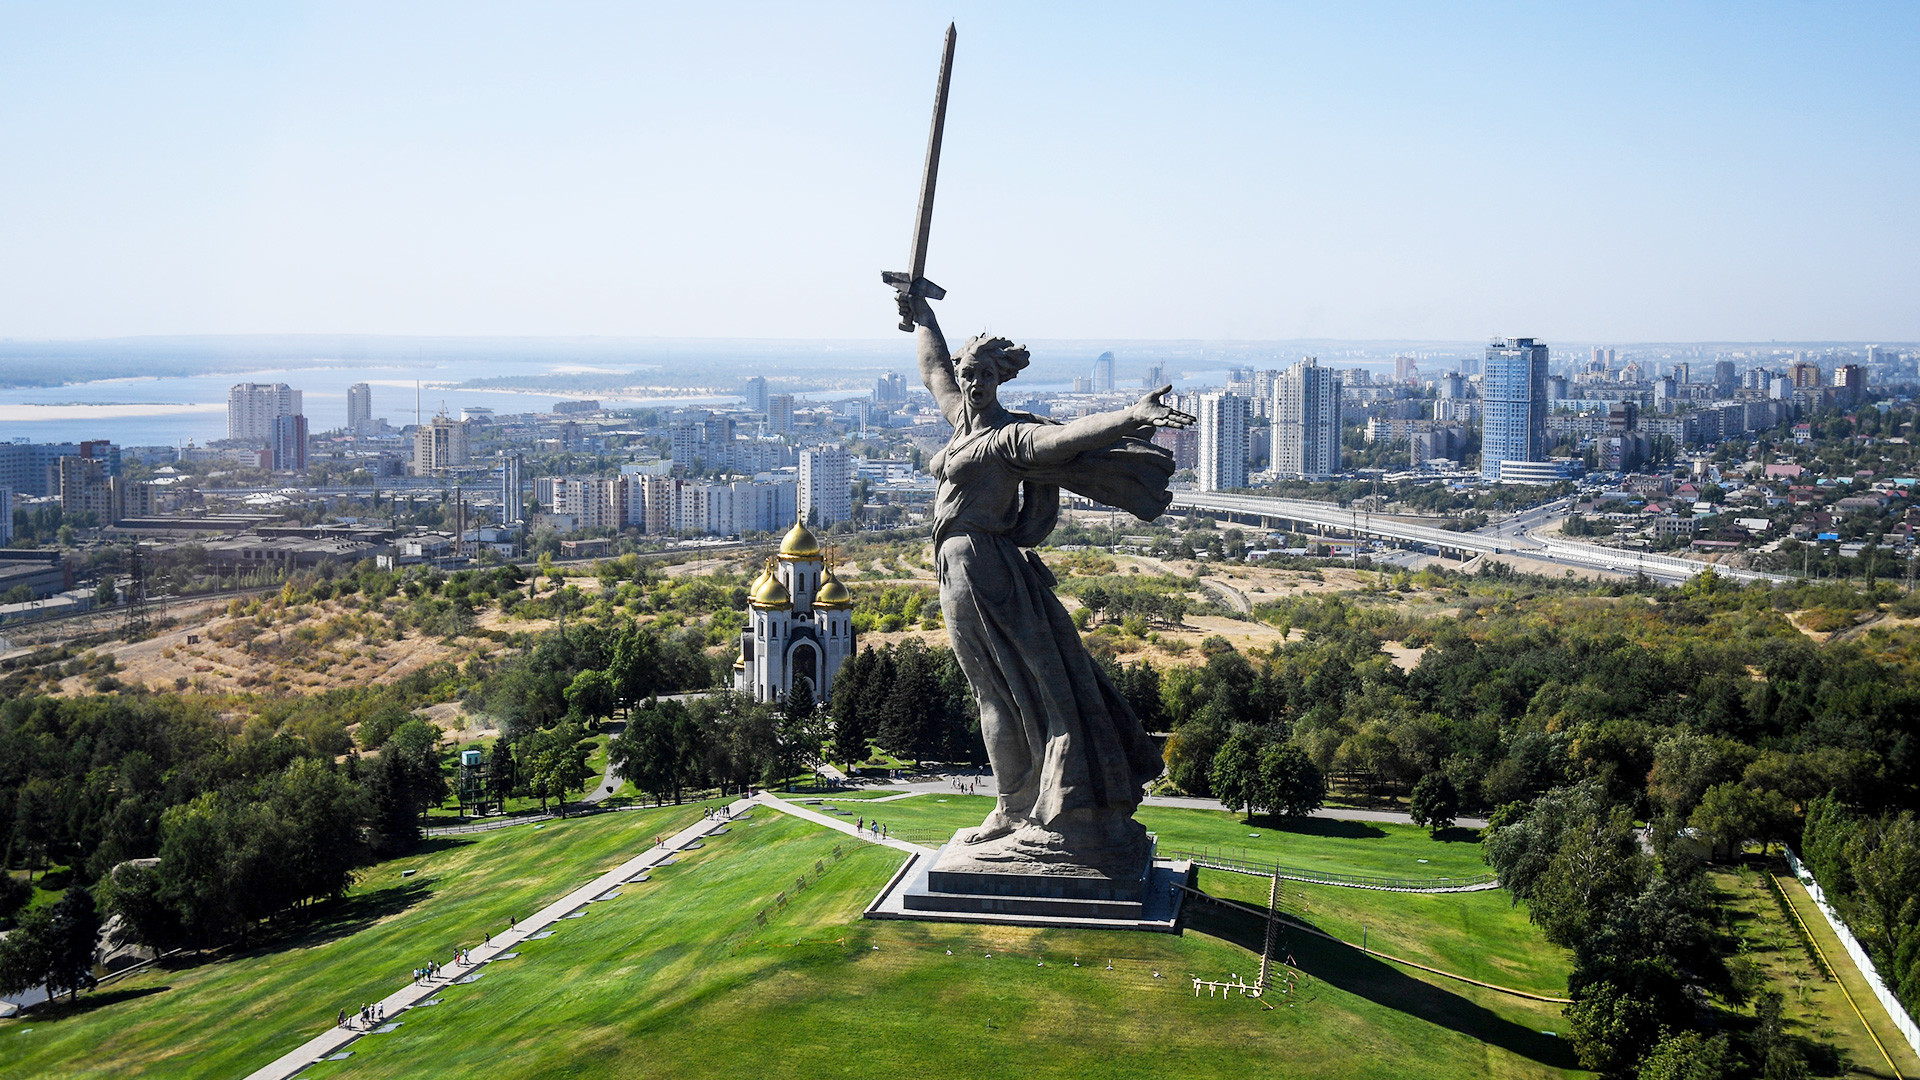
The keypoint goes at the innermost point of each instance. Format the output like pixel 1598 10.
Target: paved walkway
pixel 984 785
pixel 774 802
pixel 337 1039
pixel 609 783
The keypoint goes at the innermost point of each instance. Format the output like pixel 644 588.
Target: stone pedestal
pixel 951 885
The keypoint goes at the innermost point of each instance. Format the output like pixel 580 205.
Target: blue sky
pixel 1265 171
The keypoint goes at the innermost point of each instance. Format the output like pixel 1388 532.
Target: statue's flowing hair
pixel 1002 354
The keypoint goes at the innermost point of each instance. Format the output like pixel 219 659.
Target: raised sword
pixel 913 282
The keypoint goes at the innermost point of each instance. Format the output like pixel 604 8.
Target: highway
pixel 1514 535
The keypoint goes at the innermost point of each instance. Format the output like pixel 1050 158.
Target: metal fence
pixel 1895 1011
pixel 1236 861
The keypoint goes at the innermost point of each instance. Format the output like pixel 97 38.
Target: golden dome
pixel 740 661
pixel 833 594
pixel 800 543
pixel 767 592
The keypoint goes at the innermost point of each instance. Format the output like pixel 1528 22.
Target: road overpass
pixel 1304 515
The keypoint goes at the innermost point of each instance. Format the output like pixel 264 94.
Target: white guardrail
pixel 1894 1009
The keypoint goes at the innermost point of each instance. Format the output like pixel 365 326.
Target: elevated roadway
pixel 1512 536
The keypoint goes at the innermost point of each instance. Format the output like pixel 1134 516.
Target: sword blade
pixel 923 225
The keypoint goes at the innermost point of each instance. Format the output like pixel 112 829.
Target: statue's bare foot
pixel 997 825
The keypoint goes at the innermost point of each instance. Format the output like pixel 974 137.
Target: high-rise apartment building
pixel 287 438
pixel 825 476
pixel 1725 378
pixel 513 489
pixel 755 390
pixel 438 445
pixel 1405 369
pixel 1103 373
pixel 1156 376
pixel 890 388
pixel 251 408
pixel 359 407
pixel 1514 427
pixel 780 414
pixel 1306 421
pixel 1850 384
pixel 1804 374
pixel 1223 442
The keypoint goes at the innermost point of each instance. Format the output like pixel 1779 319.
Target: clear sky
pixel 1615 172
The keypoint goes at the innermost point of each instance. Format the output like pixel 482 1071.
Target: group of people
pixel 874 827
pixel 370 1015
pixel 965 785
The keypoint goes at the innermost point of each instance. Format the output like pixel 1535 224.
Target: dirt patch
pixel 1404 658
pixel 328 647
pixel 459 725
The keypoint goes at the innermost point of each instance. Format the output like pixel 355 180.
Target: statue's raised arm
pixel 936 363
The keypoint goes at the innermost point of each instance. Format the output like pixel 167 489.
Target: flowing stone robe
pixel 1059 735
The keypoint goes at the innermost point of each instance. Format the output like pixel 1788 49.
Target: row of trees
pixel 909 699
pixel 1869 866
pixel 728 741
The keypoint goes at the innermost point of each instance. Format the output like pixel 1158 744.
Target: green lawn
pixel 226 1017
pixel 703 972
pixel 749 957
pixel 1348 847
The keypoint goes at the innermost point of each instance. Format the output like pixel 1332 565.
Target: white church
pixel 800 626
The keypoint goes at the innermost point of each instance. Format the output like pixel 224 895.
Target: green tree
pixel 1434 803
pixel 1612 1029
pixel 1689 1055
pixel 591 695
pixel 1235 774
pixel 73 931
pixel 1291 785
pixel 1730 814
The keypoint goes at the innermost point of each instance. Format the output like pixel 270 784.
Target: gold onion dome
pixel 833 594
pixel 800 543
pixel 767 592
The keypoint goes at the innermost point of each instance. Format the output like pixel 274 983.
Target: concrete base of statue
pixel 980 883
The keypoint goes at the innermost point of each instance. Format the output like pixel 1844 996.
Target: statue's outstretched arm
pixel 936 365
pixel 1052 445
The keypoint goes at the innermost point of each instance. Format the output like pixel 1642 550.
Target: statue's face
pixel 979 382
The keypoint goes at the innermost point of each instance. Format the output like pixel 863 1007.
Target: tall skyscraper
pixel 825 474
pixel 359 407
pixel 513 490
pixel 251 408
pixel 287 438
pixel 1156 376
pixel 1405 369
pixel 1306 421
pixel 1103 373
pixel 1223 442
pixel 890 388
pixel 780 414
pixel 1515 425
pixel 756 394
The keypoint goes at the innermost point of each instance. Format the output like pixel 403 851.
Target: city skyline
pixel 1684 173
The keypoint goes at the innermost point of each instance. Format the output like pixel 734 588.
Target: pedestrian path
pixel 337 1039
pixel 773 802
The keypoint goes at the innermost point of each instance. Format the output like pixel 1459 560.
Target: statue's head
pixel 983 364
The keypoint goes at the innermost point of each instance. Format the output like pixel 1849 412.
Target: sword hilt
pixel 911 288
